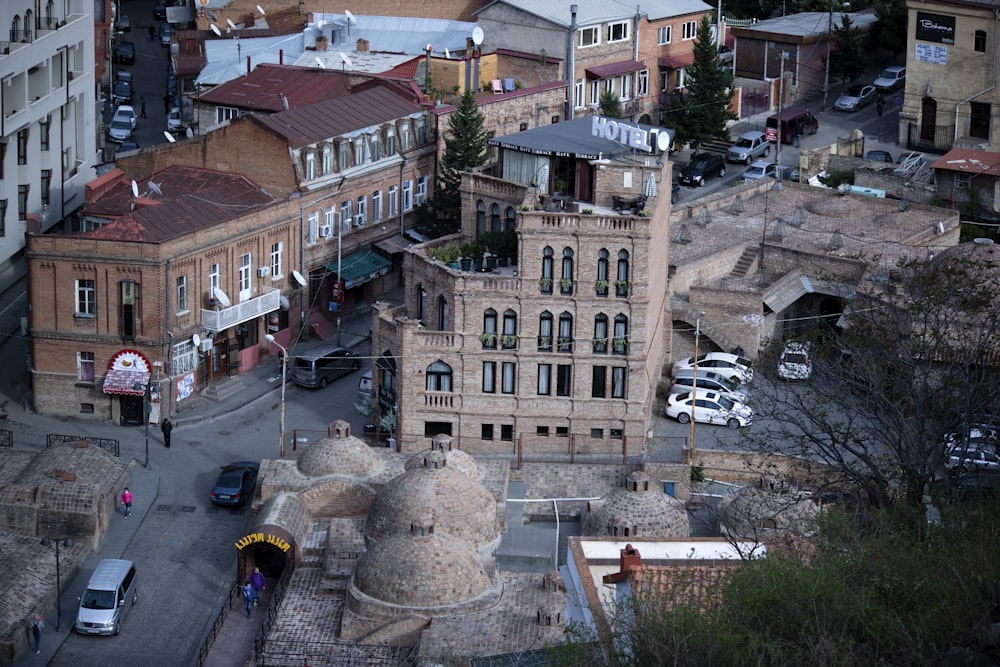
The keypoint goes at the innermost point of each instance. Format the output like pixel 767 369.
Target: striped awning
pixel 123 382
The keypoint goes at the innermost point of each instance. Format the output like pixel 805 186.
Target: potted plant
pixel 509 341
pixel 447 254
pixel 600 345
pixel 620 345
pixel 545 342
pixel 565 344
pixel 621 287
pixel 588 211
pixel 545 285
pixel 466 253
pixel 488 339
pixel 601 287
pixel 566 284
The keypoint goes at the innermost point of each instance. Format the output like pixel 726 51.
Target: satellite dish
pixel 230 23
pixel 212 16
pixel 477 35
pixel 215 29
pixel 261 10
pixel 222 297
pixel 298 278
pixel 350 17
pixel 169 137
pixel 155 189
pixel 283 302
pixel 135 188
pixel 196 340
pixel 188 132
pixel 319 64
pixel 345 60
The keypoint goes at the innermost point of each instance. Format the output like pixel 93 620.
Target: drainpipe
pixel 993 75
pixel 571 64
pixel 170 337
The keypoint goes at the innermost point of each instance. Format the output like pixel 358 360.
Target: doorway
pixel 132 413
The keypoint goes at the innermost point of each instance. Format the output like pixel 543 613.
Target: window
pixel 595 92
pixel 345 210
pixel 507 432
pixel 361 154
pixel 213 280
pixel 421 189
pixel 86 298
pixel 597 433
pixel 22 202
pixel 554 119
pixel 487 431
pixel 542 431
pixel 377 206
pixel 509 374
pixel 510 219
pixel 618 32
pixel 344 155
pixel 562 431
pixel 509 338
pixel 327 159
pixel 689 30
pixel 495 218
pixel 404 135
pixel 421 303
pixel 489 377
pixel 185 357
pixel 589 37
pixel 564 380
pixel 480 217
pixel 545 283
pixel 545 332
pixel 544 379
pixel 664 80
pixel 599 384
pixel 963 180
pixel 276 249
pixel 979 42
pixel 444 314
pixel 664 34
pixel 246 267
pixel 578 100
pixel 621 278
pixel 407 195
pixel 363 208
pixel 618 382
pixel 128 294
pixel 375 141
pixel 22 146
pixel 85 366
pixel 979 120
pixel 601 286
pixel 46 185
pixel 3 218
pixel 44 127
pixel 223 114
pixel 182 294
pixel 642 84
pixel 620 343
pixel 565 332
pixel 393 201
pixel 566 276
pixel 601 334
pixel 625 86
pixel 439 377
pixel 489 337
pixel 310 166
pixel 313 227
pixel 390 142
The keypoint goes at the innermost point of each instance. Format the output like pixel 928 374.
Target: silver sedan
pixel 855 97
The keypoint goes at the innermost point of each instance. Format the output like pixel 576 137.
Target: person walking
pixel 150 34
pixel 879 104
pixel 166 427
pixel 248 597
pixel 37 625
pixel 127 503
pixel 258 582
pixel 142 107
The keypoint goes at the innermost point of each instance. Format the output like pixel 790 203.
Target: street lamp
pixel 694 384
pixel 66 543
pixel 147 407
pixel 284 367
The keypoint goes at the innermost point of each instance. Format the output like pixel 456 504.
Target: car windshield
pixel 121 124
pixel 743 142
pixel 794 358
pixel 853 91
pixel 98 599
pixel 230 479
pixel 754 170
pixel 726 403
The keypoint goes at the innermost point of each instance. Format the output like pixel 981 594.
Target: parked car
pixel 120 129
pixel 122 93
pixel 763 168
pixel 910 156
pixel 879 156
pixel 708 380
pixel 317 367
pixel 723 363
pixel 709 408
pixel 124 23
pixel 794 362
pixel 893 78
pixel 701 167
pixel 123 75
pixel 973 455
pixel 726 55
pixel 129 112
pixel 127 146
pixel 748 147
pixel 855 97
pixel 160 11
pixel 235 485
pixel 125 53
pixel 174 122
pixel 165 32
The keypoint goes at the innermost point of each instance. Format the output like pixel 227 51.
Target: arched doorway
pixel 928 119
pixel 269 547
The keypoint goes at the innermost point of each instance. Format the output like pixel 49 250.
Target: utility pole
pixel 829 38
pixel 781 104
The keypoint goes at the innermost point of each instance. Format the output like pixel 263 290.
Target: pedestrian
pixel 257 581
pixel 127 503
pixel 248 597
pixel 37 625
pixel 166 103
pixel 142 107
pixel 879 104
pixel 166 427
pixel 151 33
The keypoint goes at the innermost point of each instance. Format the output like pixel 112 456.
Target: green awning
pixel 360 267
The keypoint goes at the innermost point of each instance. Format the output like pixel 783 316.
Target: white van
pixel 110 593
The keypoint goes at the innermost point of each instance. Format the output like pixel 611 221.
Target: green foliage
pixel 501 244
pixel 465 147
pixel 703 112
pixel 446 253
pixel 611 106
pixel 835 178
pixel 890 31
pixel 847 57
pixel 366 408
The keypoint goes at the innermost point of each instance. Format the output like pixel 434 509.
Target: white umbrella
pixel 543 178
pixel 651 185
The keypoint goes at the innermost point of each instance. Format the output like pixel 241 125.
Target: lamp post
pixel 284 366
pixel 147 407
pixel 694 385
pixel 66 542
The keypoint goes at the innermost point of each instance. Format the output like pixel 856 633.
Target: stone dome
pixel 768 508
pixel 456 460
pixel 340 454
pixel 637 509
pixel 460 506
pixel 421 568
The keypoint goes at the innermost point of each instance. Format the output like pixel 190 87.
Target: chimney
pixel 362 46
pixel 321 43
pixel 628 560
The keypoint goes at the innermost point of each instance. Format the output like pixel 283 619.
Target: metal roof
pixel 365 62
pixel 803 25
pixel 270 87
pixel 590 12
pixel 226 59
pixel 339 116
pixel 969 161
pixel 393 34
pixel 572 138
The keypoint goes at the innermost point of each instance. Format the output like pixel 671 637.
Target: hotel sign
pixel 935 28
pixel 652 140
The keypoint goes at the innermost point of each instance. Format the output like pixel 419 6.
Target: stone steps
pixel 746 260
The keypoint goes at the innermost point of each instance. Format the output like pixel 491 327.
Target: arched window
pixel 545 283
pixel 15 29
pixel 29 24
pixel 489 337
pixel 979 42
pixel 620 343
pixel 601 334
pixel 480 218
pixel 565 332
pixel 566 277
pixel 421 303
pixel 444 314
pixel 439 377
pixel 495 217
pixel 509 339
pixel 510 219
pixel 545 332
pixel 601 287
pixel 621 280
pixel 50 13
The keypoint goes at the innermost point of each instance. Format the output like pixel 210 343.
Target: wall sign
pixel 935 28
pixel 928 53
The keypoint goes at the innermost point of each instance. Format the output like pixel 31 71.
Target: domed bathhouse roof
pixel 341 454
pixel 460 506
pixel 456 458
pixel 768 509
pixel 639 510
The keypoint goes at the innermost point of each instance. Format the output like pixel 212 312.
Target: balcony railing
pixel 219 320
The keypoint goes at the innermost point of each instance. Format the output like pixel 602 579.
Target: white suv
pixel 794 363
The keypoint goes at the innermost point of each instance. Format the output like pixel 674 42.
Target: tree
pixel 891 28
pixel 848 59
pixel 611 106
pixel 914 360
pixel 703 112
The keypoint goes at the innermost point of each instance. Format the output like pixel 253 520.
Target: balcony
pixel 219 320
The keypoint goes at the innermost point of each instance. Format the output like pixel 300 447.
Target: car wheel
pixel 733 423
pixel 767 151
pixel 135 597
pixel 322 383
pixel 701 182
pixel 722 172
pixel 683 417
pixel 118 627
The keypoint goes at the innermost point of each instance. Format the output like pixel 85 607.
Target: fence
pixel 220 620
pixel 754 101
pixel 261 641
pixel 108 444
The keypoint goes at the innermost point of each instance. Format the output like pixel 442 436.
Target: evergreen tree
pixel 611 106
pixel 464 148
pixel 702 113
pixel 892 26
pixel 847 60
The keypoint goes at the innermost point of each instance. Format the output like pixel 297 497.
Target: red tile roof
pixel 334 117
pixel 969 161
pixel 678 61
pixel 614 69
pixel 263 87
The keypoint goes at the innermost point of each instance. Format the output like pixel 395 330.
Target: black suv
pixel 701 167
pixel 125 53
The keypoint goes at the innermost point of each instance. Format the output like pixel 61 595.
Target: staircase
pixel 224 389
pixel 746 260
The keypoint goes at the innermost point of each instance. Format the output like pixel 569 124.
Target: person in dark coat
pixel 142 107
pixel 247 597
pixel 166 427
pixel 258 582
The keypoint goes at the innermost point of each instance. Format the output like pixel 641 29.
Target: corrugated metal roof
pixel 572 137
pixel 394 34
pixel 360 63
pixel 614 69
pixel 264 87
pixel 590 12
pixel 803 25
pixel 969 161
pixel 335 117
pixel 226 59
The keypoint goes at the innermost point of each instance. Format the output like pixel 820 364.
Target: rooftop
pixel 271 87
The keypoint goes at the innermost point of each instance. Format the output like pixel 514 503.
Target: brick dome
pixel 456 459
pixel 460 506
pixel 339 455
pixel 638 508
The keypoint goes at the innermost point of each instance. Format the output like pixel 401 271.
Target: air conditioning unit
pixel 325 231
pixel 263 272
pixel 205 345
pixel 359 220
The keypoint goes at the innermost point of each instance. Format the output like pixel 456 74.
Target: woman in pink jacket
pixel 127 502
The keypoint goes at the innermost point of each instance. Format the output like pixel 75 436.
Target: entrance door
pixel 131 410
pixel 928 119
